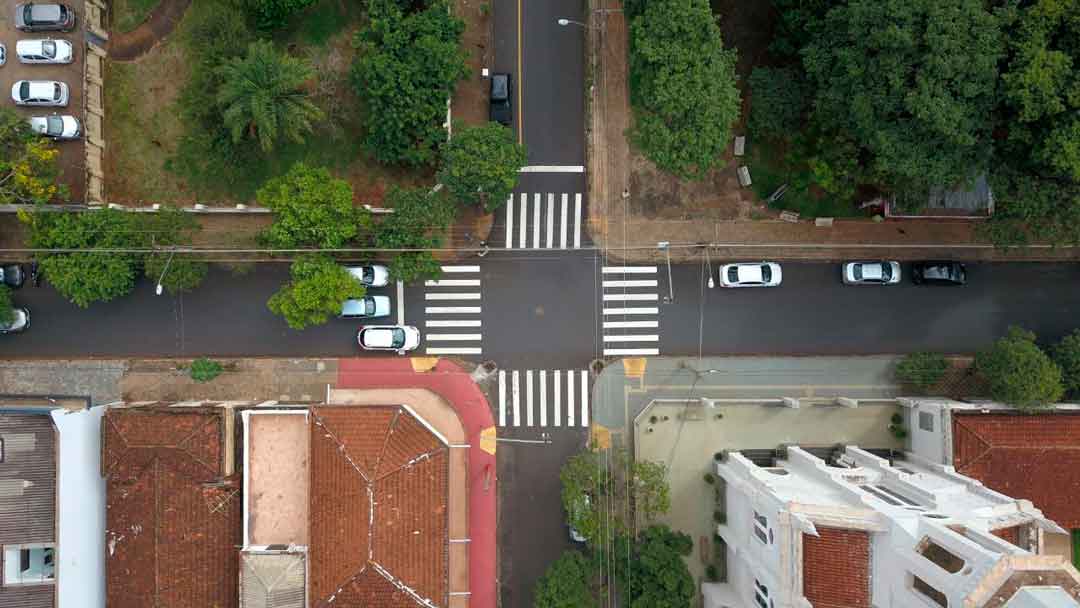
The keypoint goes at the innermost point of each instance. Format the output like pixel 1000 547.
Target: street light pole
pixel 666 246
pixel 159 288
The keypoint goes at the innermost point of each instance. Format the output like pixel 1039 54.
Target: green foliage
pixel 311 208
pixel 656 575
pixel 566 584
pixel 711 573
pixel 262 96
pixel 682 86
pixel 913 82
pixel 480 165
pixel 406 67
pixel 273 14
pixel 799 21
pixel 28 163
pixel 412 266
pixel 7 309
pixel 779 101
pixel 318 288
pixel 205 370
pixel 418 220
pixel 922 370
pixel 652 496
pixel 1066 354
pixel 172 227
pixel 1029 208
pixel 584 485
pixel 1019 373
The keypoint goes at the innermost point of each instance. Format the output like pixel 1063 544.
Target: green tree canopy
pixel 28 163
pixel 406 67
pixel 1066 354
pixel 652 496
pixel 922 370
pixel 1019 373
pixel 656 575
pixel 480 165
pixel 311 208
pixel 566 584
pixel 318 288
pixel 263 98
pixel 7 309
pixel 584 488
pixel 273 14
pixel 1028 207
pixel 178 272
pixel 779 101
pixel 913 81
pixel 418 220
pixel 682 86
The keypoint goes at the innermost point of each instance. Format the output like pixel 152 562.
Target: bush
pixel 311 208
pixel 922 370
pixel 709 478
pixel 566 584
pixel 480 165
pixel 418 220
pixel 7 309
pixel 273 14
pixel 1066 354
pixel 1019 373
pixel 205 370
pixel 778 100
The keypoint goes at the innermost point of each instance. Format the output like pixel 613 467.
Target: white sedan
pixel 375 275
pixel 56 126
pixel 400 338
pixel 39 93
pixel 44 51
pixel 750 274
pixel 871 273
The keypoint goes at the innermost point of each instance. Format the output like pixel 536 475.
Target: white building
pixel 859 532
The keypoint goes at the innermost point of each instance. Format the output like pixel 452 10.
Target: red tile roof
pixel 172 523
pixel 1036 457
pixel 377 466
pixel 836 568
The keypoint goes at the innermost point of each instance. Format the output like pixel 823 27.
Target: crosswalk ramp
pixel 452 312
pixel 544 398
pixel 630 302
pixel 542 221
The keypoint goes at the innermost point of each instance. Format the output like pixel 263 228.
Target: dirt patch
pixel 243 380
pixel 126 46
pixel 470 102
pixel 655 194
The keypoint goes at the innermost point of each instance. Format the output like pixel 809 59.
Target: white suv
pixel 400 338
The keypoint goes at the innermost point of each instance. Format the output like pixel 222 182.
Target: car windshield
pixel 56 125
pixel 369 306
pixel 24 89
pixel 56 91
pixel 733 274
pixel 499 88
pixel 886 272
pixel 369 274
pixel 398 338
pixel 48 49
pixel 766 274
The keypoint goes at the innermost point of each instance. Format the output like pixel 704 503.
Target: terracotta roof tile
pixel 371 590
pixel 836 568
pixel 364 443
pixel 408 439
pixel 1036 457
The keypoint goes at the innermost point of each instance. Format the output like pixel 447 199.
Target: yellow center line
pixel 520 79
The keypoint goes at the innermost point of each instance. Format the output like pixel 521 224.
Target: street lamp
pixel 565 22
pixel 159 288
pixel 666 247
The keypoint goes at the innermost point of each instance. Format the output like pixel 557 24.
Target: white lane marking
pixel 631 351
pixel 453 337
pixel 454 351
pixel 466 323
pixel 550 220
pixel 562 223
pixel 640 310
pixel 510 222
pixel 569 398
pixel 461 269
pixel 452 296
pixel 617 324
pixel 455 283
pixel 643 283
pixel 543 397
pixel 638 297
pixel 629 269
pixel 552 169
pixel 642 338
pixel 452 310
pixel 584 399
pixel 502 397
pixel 558 396
pixel 400 303
pixel 524 211
pixel 577 221
pixel 528 397
pixel 536 221
pixel 515 386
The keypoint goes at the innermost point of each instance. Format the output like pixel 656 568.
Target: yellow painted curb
pixel 487 440
pixel 634 368
pixel 423 364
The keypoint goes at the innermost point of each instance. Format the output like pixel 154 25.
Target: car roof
pixel 500 85
pixel 354 306
pixel 380 337
pixel 750 273
pixel 39 88
pixel 871 270
pixel 45 12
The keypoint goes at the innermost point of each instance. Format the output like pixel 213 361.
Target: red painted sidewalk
pixel 449 381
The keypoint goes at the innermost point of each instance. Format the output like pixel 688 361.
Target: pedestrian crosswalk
pixel 542 221
pixel 544 398
pixel 452 312
pixel 630 303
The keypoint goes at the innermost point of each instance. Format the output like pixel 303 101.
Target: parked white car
pixel 367 307
pixel 750 274
pixel 56 126
pixel 374 275
pixel 871 273
pixel 44 51
pixel 39 93
pixel 400 338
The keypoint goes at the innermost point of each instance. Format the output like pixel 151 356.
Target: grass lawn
pixel 769 170
pixel 128 14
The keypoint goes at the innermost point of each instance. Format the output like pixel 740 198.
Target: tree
pixel 273 14
pixel 682 86
pixel 656 576
pixel 1066 354
pixel 417 222
pixel 922 370
pixel 311 208
pixel 566 584
pixel 318 288
pixel 7 309
pixel 584 486
pixel 480 165
pixel 406 67
pixel 652 496
pixel 913 81
pixel 1019 373
pixel 28 163
pixel 1029 207
pixel 262 96
pixel 171 227
pixel 778 102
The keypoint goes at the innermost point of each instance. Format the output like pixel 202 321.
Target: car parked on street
pixel 500 110
pixel 400 338
pixel 44 51
pixel 19 323
pixel 367 307
pixel 372 275
pixel 39 93
pixel 56 126
pixel 44 17
pixel 12 275
pixel 938 273
pixel 871 273
pixel 750 274
pixel 3 54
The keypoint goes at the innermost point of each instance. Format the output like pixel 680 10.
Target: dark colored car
pixel 501 89
pixel 938 273
pixel 12 275
pixel 44 17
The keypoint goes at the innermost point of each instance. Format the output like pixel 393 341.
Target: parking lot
pixel 72 154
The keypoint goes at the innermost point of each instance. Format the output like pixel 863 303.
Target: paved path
pixel 129 46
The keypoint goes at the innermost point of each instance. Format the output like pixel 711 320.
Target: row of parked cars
pixel 876 272
pixel 399 338
pixel 44 17
pixel 13 276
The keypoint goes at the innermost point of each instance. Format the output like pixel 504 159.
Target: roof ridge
pixel 214 419
pixel 414 461
pixel 386 442
pixel 340 446
pixel 393 580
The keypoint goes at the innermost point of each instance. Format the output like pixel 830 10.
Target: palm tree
pixel 262 96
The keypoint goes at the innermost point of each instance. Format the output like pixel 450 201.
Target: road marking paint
pixel 609 297
pixel 569 398
pixel 628 269
pixel 550 220
pixel 400 303
pixel 584 399
pixel 645 283
pixel 628 324
pixel 536 221
pixel 558 396
pixel 454 351
pixel 452 296
pixel 577 221
pixel 452 310
pixel 641 338
pixel 502 397
pixel 455 283
pixel 552 169
pixel 524 212
pixel 562 224
pixel 630 351
pixel 528 397
pixel 510 222
pixel 516 392
pixel 467 323
pixel 453 337
pixel 461 269
pixel 644 310
pixel 543 397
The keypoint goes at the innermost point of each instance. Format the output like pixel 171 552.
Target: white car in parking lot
pixel 871 273
pixel 39 93
pixel 44 51
pixel 56 126
pixel 400 338
pixel 750 274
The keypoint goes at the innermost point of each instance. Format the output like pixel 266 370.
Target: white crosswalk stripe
pixel 549 398
pixel 532 220
pixel 629 329
pixel 456 327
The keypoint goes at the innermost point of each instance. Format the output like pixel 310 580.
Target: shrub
pixel 1066 354
pixel 273 14
pixel 922 370
pixel 709 478
pixel 205 370
pixel 1019 373
pixel 480 165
